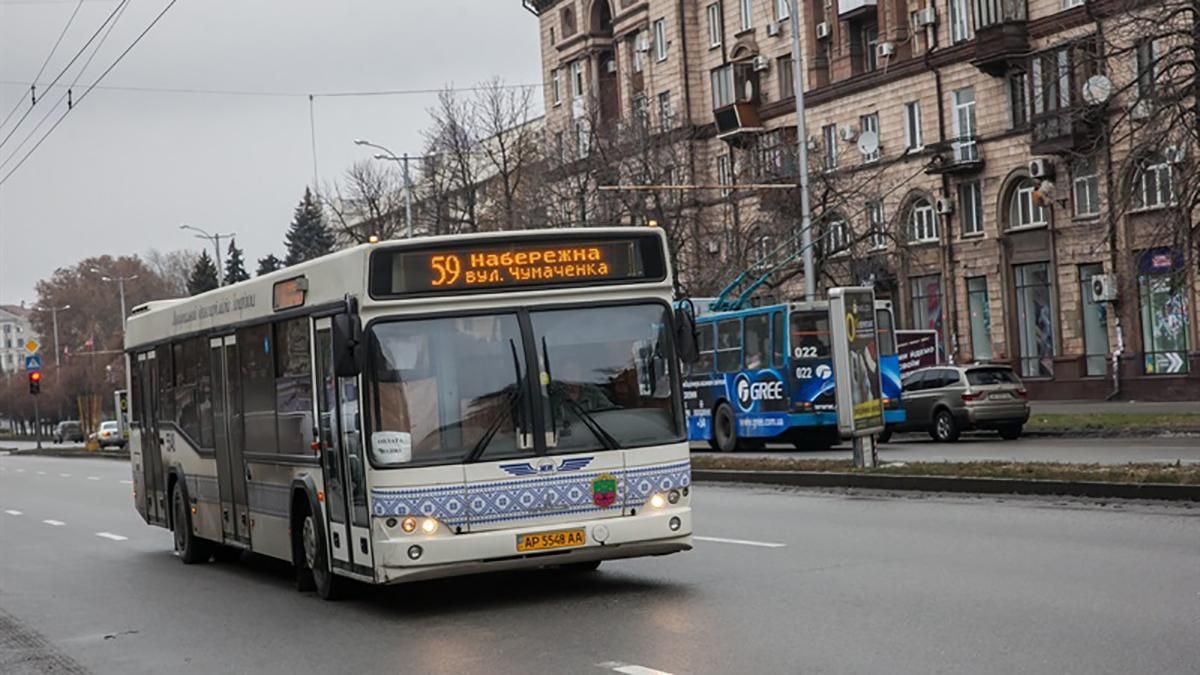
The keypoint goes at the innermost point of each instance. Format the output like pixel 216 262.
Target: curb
pixel 1097 490
pixel 71 453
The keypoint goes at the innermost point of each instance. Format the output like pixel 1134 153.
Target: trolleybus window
pixel 780 338
pixel 757 339
pixel 705 347
pixel 810 335
pixel 729 345
pixel 885 334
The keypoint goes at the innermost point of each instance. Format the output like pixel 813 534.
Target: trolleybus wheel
pixel 190 548
pixel 724 431
pixel 884 436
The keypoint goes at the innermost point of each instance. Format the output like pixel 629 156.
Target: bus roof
pixel 326 281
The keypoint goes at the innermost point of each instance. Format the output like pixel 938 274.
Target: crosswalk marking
pixel 93 478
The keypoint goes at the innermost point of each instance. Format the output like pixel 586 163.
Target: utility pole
pixel 810 272
pixel 54 317
pixel 402 160
pixel 407 200
pixel 216 241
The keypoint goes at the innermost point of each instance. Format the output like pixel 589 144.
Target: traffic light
pixel 35 382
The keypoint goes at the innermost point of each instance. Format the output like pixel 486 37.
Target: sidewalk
pixel 1128 407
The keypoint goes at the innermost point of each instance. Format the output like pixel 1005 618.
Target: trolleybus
pixel 418 409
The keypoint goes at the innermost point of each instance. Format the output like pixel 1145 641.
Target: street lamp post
pixel 810 272
pixel 390 156
pixel 120 281
pixel 216 241
pixel 54 318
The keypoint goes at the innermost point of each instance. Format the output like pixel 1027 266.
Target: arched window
pixel 922 222
pixel 835 236
pixel 1153 184
pixel 1023 211
pixel 602 21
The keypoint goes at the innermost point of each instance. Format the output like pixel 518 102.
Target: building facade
pixel 15 331
pixel 1008 172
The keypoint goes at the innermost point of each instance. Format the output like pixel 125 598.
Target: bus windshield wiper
pixel 605 438
pixel 512 401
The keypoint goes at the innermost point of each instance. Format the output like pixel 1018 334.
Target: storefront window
pixel 981 318
pixel 1163 300
pixel 1095 323
pixel 927 305
pixel 1035 320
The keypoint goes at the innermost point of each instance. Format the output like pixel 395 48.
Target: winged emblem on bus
pixel 547 466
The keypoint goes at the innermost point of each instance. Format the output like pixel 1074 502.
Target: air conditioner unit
pixel 643 44
pixel 1173 154
pixel 944 206
pixel 1104 288
pixel 773 29
pixel 924 17
pixel 823 30
pixel 1141 110
pixel 714 246
pixel 848 133
pixel 885 49
pixel 761 63
pixel 1041 168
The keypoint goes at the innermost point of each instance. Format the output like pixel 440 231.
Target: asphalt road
pixel 988 447
pixel 815 583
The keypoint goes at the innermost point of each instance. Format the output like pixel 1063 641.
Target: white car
pixel 110 435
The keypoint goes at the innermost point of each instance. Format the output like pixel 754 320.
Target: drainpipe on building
pixel 1110 189
pixel 947 241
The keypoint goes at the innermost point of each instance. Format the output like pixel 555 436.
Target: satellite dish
pixel 868 142
pixel 1097 90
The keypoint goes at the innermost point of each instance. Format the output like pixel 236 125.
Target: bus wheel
pixel 724 432
pixel 190 548
pixel 328 586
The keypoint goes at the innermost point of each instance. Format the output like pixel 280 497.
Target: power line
pixel 87 91
pixel 286 94
pixel 32 87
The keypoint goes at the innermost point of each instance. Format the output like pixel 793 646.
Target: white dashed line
pixel 41 473
pixel 110 535
pixel 20 470
pixel 630 669
pixel 741 542
pixel 126 482
pixel 65 475
pixel 56 523
pixel 12 512
pixel 93 478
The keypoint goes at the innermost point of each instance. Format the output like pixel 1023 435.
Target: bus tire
pixel 190 548
pixel 884 436
pixel 724 431
pixel 315 561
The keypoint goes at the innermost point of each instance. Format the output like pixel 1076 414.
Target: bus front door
pixel 151 490
pixel 231 474
pixel 347 517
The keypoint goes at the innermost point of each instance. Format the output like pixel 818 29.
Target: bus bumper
pixel 475 552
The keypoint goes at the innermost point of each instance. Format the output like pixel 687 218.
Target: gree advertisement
pixel 856 361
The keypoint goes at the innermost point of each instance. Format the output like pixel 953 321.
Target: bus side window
pixel 779 339
pixel 705 348
pixel 884 332
pixel 756 337
pixel 729 345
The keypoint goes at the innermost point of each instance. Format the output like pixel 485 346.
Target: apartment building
pixel 15 331
pixel 993 166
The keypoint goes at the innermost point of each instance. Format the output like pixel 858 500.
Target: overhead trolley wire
pixel 33 87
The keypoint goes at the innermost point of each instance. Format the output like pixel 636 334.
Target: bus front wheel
pixel 190 548
pixel 724 432
pixel 313 571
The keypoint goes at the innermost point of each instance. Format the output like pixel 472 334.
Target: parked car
pixel 948 400
pixel 68 432
pixel 109 435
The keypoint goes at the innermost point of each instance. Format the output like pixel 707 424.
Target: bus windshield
pixel 810 335
pixel 454 390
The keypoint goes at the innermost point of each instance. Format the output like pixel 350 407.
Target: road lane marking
pixel 41 473
pixel 20 470
pixel 630 669
pixel 12 512
pixel 110 535
pixel 741 542
pixel 126 482
pixel 56 523
pixel 65 475
pixel 93 478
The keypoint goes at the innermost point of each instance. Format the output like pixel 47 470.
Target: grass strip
pixel 1117 423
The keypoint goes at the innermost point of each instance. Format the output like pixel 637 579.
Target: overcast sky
pixel 126 168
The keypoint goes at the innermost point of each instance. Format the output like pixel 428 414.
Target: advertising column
pixel 856 369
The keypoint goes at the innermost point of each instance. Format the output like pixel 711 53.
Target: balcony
pixel 956 156
pixel 738 123
pixel 1066 131
pixel 1001 35
pixel 850 9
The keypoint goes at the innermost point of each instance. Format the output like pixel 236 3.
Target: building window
pixel 725 173
pixel 560 146
pixel 1018 99
pixel 787 78
pixel 641 111
pixel 1145 62
pixel 722 86
pixel 836 238
pixel 870 123
pixel 583 139
pixel 970 206
pixel 980 318
pixel 865 58
pixel 1035 320
pixel 660 39
pixel 876 225
pixel 960 21
pixel 1023 211
pixel 747 12
pixel 1163 298
pixel 922 223
pixel 635 51
pixel 1085 187
pixel 1153 185
pixel 714 25
pixel 783 9
pixel 926 295
pixel 1069 4
pixel 577 79
pixel 965 148
pixel 1095 323
pixel 556 86
pixel 553 36
pixel 567 19
pixel 912 126
pixel 666 114
pixel 829 137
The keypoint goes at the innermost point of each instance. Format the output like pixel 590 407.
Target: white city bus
pixel 419 409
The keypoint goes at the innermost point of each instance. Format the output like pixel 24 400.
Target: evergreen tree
pixel 308 237
pixel 204 275
pixel 269 264
pixel 235 267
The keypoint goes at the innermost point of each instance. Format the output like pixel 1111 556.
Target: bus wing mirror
pixel 348 348
pixel 686 337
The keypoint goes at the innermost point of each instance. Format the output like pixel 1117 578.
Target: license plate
pixel 547 540
pixel 999 397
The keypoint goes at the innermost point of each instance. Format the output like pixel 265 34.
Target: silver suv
pixel 948 400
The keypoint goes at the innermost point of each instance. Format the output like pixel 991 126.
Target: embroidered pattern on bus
pixel 528 498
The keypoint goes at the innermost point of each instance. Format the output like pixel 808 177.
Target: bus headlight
pixel 658 500
pixel 408 524
pixel 429 526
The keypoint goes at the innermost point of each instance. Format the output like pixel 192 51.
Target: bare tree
pixel 174 267
pixel 454 140
pixel 368 201
pixel 507 145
